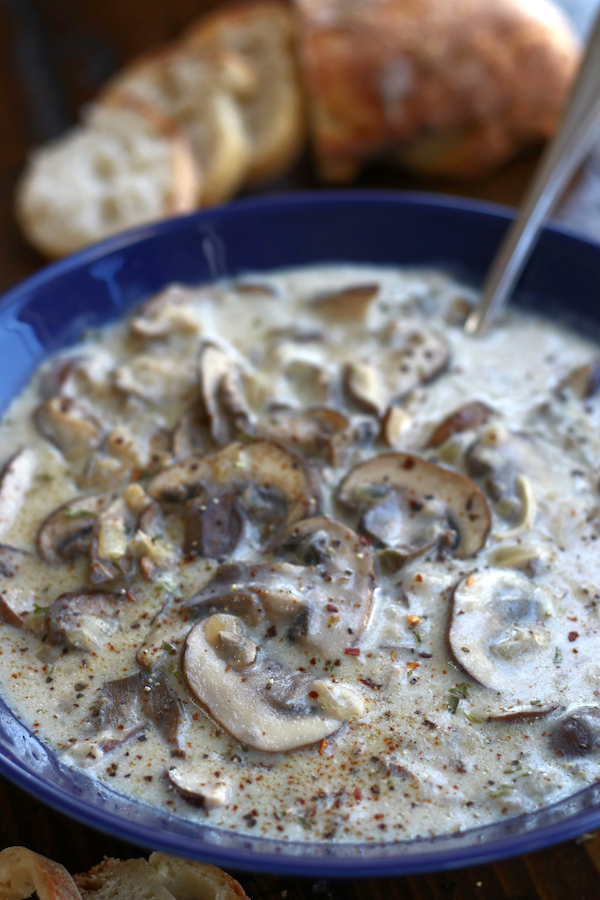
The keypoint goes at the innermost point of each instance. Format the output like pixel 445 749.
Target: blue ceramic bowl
pixel 52 309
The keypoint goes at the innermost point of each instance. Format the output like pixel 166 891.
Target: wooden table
pixel 54 54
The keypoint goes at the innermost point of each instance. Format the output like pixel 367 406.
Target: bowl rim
pixel 430 858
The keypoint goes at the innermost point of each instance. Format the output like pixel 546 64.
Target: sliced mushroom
pixel 240 701
pixel 131 702
pixel 190 436
pixel 79 374
pixel 67 532
pixel 501 631
pixel 530 713
pixel 465 418
pixel 317 432
pixel 412 356
pixel 71 425
pixel 337 585
pixel 577 732
pixel 11 558
pixel 405 528
pixel 199 788
pixel 251 590
pixel 582 383
pixel 222 395
pixel 15 605
pixel 420 486
pixel 350 303
pixel 15 481
pixel 262 463
pixel 255 289
pixel 170 312
pixel 112 528
pixel 82 620
pixel 214 524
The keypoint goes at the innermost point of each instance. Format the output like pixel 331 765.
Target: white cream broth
pixel 443 668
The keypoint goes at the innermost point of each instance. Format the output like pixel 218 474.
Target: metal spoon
pixel 560 160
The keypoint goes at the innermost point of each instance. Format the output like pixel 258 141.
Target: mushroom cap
pixel 502 632
pixel 239 701
pixel 419 480
pixel 263 463
pixel 15 481
pixel 468 416
pixel 67 532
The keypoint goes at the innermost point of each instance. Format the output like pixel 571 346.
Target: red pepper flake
pixel 313 695
pixel 418 579
pixel 364 540
pixel 352 651
pixel 322 746
pixel 130 596
pixel 572 636
pixel 357 794
pixel 412 665
pixel 408 464
pixel 331 608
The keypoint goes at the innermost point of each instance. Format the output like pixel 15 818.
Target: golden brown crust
pixel 261 35
pixel 446 86
pixel 23 872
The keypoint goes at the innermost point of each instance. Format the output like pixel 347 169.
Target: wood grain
pixel 54 54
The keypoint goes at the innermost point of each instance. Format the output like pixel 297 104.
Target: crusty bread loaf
pixel 449 87
pixel 23 872
pixel 261 34
pixel 199 90
pixel 127 165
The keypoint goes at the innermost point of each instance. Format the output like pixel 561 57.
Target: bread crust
pixel 189 880
pixel 261 34
pixel 23 872
pixel 450 87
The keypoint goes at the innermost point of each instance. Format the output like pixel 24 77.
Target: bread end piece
pixel 23 872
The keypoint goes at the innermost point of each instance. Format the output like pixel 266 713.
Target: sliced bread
pixel 23 872
pixel 128 164
pixel 263 35
pixel 199 90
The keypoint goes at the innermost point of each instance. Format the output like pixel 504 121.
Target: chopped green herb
pixel 43 476
pixel 458 693
pixel 305 824
pixel 557 657
pixel 476 720
pixel 71 513
pixel 535 703
pixel 38 610
pixel 417 637
pixel 502 790
pixel 168 647
pixel 245 438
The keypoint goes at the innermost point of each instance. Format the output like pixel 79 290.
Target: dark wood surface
pixel 54 54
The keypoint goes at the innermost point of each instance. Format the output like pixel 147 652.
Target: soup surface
pixel 294 554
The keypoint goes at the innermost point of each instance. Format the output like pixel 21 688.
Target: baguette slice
pixel 261 34
pixel 446 87
pixel 116 879
pixel 22 872
pixel 188 880
pixel 199 90
pixel 128 164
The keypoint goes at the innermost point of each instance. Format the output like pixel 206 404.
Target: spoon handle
pixel 560 160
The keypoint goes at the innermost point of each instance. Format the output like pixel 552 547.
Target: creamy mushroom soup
pixel 293 553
